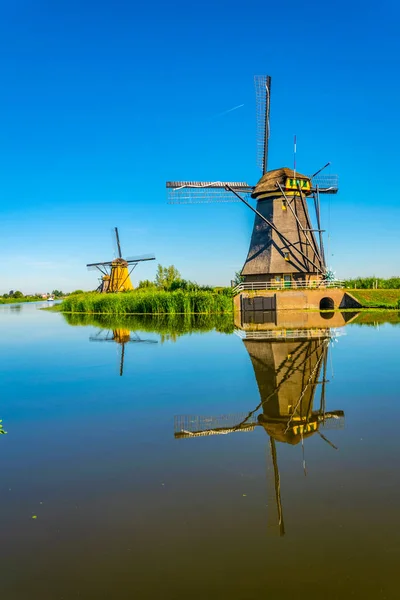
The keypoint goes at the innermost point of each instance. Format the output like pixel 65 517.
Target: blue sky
pixel 102 102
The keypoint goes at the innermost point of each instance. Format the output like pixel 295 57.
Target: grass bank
pixel 149 302
pixel 377 298
pixel 18 300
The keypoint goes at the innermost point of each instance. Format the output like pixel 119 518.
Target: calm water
pixel 219 465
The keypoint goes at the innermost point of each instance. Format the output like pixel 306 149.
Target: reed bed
pixel 149 302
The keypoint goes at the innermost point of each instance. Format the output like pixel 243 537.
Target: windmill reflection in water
pixel 121 337
pixel 289 366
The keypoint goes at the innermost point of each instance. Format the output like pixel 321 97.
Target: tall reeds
pixel 149 302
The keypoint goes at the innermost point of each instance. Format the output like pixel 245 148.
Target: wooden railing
pixel 286 285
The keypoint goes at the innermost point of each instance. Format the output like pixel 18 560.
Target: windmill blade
pixel 201 192
pixel 141 258
pixel 142 341
pixel 189 426
pixel 332 420
pixel 102 336
pixel 118 242
pixel 327 184
pixel 100 264
pixel 263 97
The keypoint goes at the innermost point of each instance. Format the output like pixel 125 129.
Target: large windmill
pixel 116 273
pixel 284 249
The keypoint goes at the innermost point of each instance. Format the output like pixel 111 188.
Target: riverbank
pixel 145 302
pixel 377 298
pixel 19 300
pixel 185 302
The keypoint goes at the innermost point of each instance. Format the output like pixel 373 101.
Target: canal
pixel 198 458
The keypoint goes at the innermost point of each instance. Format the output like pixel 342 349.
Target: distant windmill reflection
pixel 121 337
pixel 289 367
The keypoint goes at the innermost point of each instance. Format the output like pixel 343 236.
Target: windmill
pixel 116 273
pixel 288 372
pixel 121 337
pixel 284 250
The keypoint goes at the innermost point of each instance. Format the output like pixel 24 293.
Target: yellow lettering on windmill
pixel 293 185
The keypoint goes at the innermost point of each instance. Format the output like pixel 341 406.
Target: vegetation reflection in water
pixel 165 324
pixel 124 329
pixel 290 367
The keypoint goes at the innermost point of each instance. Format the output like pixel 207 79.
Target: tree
pixel 165 276
pixel 146 283
pixel 238 278
pixel 17 294
pixel 76 292
pixel 57 293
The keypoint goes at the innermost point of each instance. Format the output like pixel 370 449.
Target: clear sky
pixel 103 101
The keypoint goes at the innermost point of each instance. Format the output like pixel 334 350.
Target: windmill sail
pixel 200 192
pixel 263 96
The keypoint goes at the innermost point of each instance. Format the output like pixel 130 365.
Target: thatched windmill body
pixel 116 273
pixel 284 247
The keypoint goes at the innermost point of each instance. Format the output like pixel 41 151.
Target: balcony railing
pixel 279 334
pixel 248 286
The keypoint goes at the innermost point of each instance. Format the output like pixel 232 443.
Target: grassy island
pixel 150 302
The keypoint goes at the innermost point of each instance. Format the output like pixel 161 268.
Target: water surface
pixel 200 459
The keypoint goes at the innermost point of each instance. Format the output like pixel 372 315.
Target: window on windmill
pixel 286 255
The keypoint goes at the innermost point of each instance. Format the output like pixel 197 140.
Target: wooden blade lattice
pixel 187 426
pixel 327 184
pixel 263 87
pixel 200 192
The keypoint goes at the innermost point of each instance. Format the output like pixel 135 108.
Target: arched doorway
pixel 326 304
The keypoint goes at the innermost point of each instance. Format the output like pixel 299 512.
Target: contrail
pixel 227 111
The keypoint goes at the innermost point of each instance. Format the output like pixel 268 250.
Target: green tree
pixel 76 292
pixel 57 293
pixel 238 278
pixel 146 283
pixel 165 276
pixel 17 294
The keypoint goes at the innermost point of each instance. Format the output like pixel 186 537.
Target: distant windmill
pixel 121 337
pixel 283 247
pixel 116 274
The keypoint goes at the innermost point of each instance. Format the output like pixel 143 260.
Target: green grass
pixel 367 283
pixel 369 298
pixel 17 300
pixel 149 302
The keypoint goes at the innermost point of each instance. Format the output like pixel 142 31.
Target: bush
pixel 145 284
pixel 369 283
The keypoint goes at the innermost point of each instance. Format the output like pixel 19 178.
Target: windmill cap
pixel 286 177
